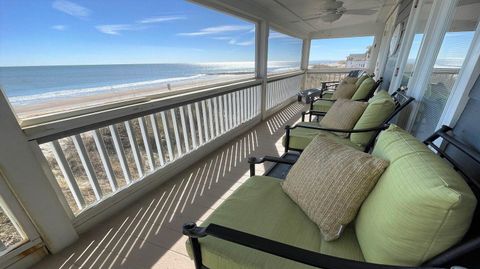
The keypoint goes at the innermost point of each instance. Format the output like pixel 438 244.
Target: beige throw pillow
pixel 330 181
pixel 343 114
pixel 344 91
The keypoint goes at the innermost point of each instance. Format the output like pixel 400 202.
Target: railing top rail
pixel 275 77
pixel 331 70
pixel 55 129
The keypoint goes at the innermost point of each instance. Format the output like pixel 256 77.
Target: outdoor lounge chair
pixel 365 88
pixel 299 136
pixel 259 226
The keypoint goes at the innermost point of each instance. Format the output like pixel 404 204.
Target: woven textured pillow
pixel 330 181
pixel 349 80
pixel 344 91
pixel 343 114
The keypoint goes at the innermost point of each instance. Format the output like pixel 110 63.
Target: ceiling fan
pixel 332 10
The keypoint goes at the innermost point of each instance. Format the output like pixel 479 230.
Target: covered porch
pixel 109 186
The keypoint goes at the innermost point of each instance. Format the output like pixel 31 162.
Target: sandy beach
pixel 55 106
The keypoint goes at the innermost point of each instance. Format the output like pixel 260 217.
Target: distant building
pixel 358 60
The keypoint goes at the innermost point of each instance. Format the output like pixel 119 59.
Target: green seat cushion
pixel 377 111
pixel 361 79
pixel 419 207
pixel 364 89
pixel 260 207
pixel 301 137
pixel 322 105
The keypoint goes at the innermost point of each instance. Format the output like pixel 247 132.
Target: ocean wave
pixel 36 98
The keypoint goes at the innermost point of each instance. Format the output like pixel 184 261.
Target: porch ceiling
pixel 312 18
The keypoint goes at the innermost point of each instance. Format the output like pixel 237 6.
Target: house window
pixel 284 52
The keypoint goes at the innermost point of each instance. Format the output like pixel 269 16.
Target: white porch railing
pixel 93 157
pixel 280 90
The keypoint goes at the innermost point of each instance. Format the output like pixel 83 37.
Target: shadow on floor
pixel 147 234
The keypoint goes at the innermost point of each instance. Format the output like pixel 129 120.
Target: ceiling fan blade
pixel 329 5
pixel 467 2
pixel 360 11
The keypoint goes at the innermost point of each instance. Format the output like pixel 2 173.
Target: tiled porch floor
pixel 147 234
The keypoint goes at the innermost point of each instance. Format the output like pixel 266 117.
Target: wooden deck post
pixel 305 59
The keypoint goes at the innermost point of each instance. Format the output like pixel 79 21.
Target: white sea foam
pixel 36 98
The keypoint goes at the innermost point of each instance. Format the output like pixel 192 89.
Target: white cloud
pixel 241 43
pixel 71 8
pixel 222 38
pixel 115 29
pixel 161 19
pixel 275 35
pixel 59 27
pixel 217 30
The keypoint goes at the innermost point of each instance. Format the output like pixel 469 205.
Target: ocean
pixel 37 84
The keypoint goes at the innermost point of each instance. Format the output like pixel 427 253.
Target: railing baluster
pixel 132 138
pixel 215 114
pixel 146 142
pixel 221 114
pixel 171 157
pixel 87 165
pixel 199 124
pixel 175 131
pixel 107 165
pixel 210 118
pixel 230 112
pixel 204 116
pixel 117 143
pixel 156 135
pixel 67 174
pixel 184 129
pixel 242 105
pixel 192 126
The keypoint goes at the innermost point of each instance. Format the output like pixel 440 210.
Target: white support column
pixel 305 59
pixel 463 85
pixel 31 186
pixel 406 45
pixel 261 60
pixel 385 45
pixel 377 42
pixel 440 19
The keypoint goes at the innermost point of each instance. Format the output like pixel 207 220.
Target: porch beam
pixel 439 20
pixel 26 177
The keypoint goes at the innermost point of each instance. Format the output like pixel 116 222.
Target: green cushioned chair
pixel 419 208
pixel 364 91
pixel 275 217
pixel 380 110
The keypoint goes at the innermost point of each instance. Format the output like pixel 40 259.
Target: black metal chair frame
pixel 443 260
pixel 401 101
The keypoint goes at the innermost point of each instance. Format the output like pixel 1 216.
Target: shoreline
pixel 59 105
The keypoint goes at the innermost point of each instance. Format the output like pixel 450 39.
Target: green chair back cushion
pixel 275 217
pixel 419 208
pixel 377 111
pixel 361 79
pixel 364 89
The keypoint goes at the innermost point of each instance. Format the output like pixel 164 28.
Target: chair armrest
pixel 253 160
pixel 378 128
pixel 279 249
pixel 312 112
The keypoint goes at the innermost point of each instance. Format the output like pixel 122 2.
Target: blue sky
pixel 63 32
pixel 334 49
